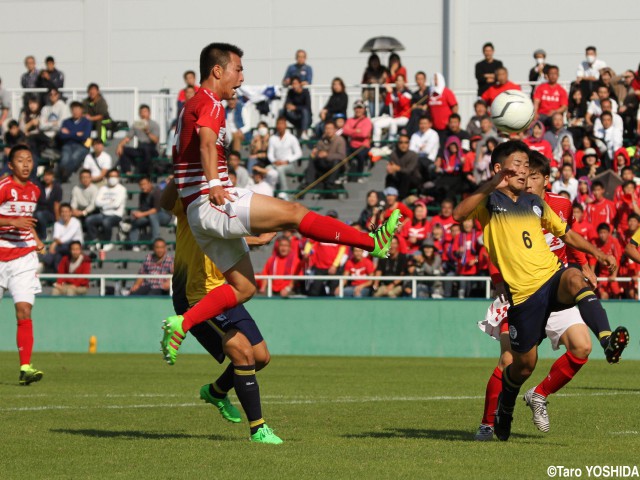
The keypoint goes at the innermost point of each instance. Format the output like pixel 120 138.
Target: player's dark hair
pixel 455 115
pixel 17 148
pixel 539 163
pixel 597 183
pixel 479 102
pixel 488 44
pixel 626 169
pixel 627 183
pixel 634 215
pixel 49 59
pixel 84 170
pixel 504 150
pixel 548 68
pixel 93 85
pixel 65 205
pixel 578 206
pixel 604 226
pixel 144 105
pixel 216 54
pixel 73 242
pixel 420 72
pixel 188 72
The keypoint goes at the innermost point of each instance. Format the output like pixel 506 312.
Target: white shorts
pixel 220 230
pixel 557 324
pixel 20 277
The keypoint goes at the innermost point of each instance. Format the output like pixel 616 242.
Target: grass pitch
pixel 132 416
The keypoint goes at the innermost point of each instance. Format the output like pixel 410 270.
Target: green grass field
pixel 132 416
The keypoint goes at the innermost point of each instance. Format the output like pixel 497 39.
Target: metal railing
pixel 342 280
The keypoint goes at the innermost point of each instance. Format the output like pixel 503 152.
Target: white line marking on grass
pixel 628 432
pixel 293 401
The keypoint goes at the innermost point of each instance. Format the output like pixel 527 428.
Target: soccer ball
pixel 512 111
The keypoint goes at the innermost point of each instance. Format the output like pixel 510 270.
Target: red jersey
pixel 542 146
pixel 407 213
pixel 446 223
pixel 585 229
pixel 277 265
pixel 182 96
pixel 415 234
pixel 551 97
pixel 493 91
pixel 16 201
pixel 401 103
pixel 610 247
pixel 203 110
pixel 83 269
pixel 465 248
pixel 326 254
pixel 357 269
pixel 603 211
pixel 440 108
pixel 618 194
pixel 564 209
pixel 625 208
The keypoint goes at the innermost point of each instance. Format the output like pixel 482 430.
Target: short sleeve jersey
pixel 514 238
pixel 203 110
pixel 194 275
pixel 16 200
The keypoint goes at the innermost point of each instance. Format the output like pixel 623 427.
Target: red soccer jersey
pixel 401 103
pixel 493 91
pixel 551 97
pixel 277 265
pixel 83 269
pixel 446 223
pixel 610 247
pixel 324 254
pixel 415 234
pixel 542 146
pixel 440 107
pixel 585 229
pixel 564 209
pixel 203 110
pixel 356 269
pixel 16 201
pixel 603 211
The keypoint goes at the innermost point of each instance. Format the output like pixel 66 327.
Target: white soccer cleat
pixel 484 433
pixel 538 405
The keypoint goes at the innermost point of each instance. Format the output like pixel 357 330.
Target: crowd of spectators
pixel 588 131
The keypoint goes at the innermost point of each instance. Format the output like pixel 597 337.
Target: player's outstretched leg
pixel 216 394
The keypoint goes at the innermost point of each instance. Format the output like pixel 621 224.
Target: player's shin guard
pixel 327 229
pixel 510 391
pixel 594 315
pixel 494 387
pixel 248 392
pixel 223 384
pixel 561 373
pixel 24 339
pixel 215 302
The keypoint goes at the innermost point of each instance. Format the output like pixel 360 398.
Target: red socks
pixel 24 339
pixel 494 387
pixel 327 229
pixel 217 301
pixel 562 371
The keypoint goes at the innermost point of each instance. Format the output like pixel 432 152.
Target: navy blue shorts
pixel 210 333
pixel 527 320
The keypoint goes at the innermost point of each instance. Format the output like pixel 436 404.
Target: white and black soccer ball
pixel 512 111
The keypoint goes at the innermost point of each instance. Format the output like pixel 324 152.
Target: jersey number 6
pixel 526 238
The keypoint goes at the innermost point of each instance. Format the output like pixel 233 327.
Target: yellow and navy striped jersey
pixel 514 239
pixel 635 240
pixel 194 274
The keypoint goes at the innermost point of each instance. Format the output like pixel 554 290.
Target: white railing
pixel 124 102
pixel 341 279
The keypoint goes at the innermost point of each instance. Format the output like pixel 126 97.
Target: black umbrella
pixel 382 44
pixel 610 180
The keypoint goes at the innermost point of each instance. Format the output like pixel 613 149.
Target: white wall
pixel 149 44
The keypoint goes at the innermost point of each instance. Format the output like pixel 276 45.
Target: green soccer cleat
pixel 384 233
pixel 172 338
pixel 266 435
pixel 29 375
pixel 224 405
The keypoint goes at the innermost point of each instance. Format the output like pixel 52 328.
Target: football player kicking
pixel 18 258
pixel 220 215
pixel 536 282
pixel 233 334
pixel 565 327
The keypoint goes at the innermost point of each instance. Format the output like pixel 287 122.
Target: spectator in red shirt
pixel 395 68
pixel 626 206
pixel 601 210
pixel 190 82
pixel 391 194
pixel 627 176
pixel 466 249
pixel 358 130
pixel 75 262
pixel 581 225
pixel 357 266
pixel 550 97
pixel 416 231
pixel 324 259
pixel 284 261
pixel 400 98
pixel 442 102
pixel 502 85
pixel 536 142
pixel 445 217
pixel 609 246
pixel 621 161
pixel 294 241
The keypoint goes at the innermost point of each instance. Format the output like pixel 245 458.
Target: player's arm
pixel 209 159
pixel 39 245
pixel 467 206
pixel 576 241
pixel 262 239
pixel 631 251
pixel 22 223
